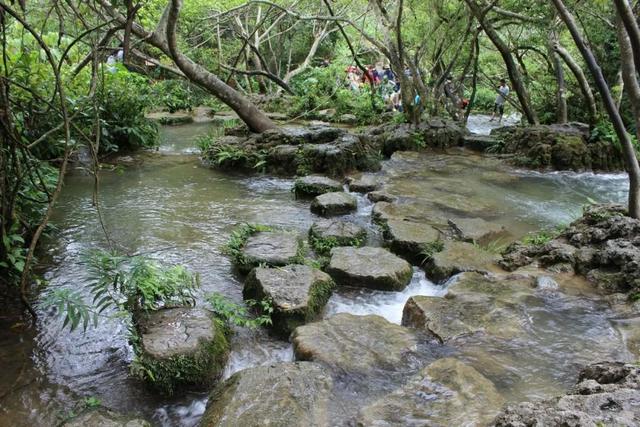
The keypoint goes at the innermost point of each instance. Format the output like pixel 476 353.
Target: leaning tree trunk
pixel 512 69
pixel 585 88
pixel 628 70
pixel 630 159
pixel 628 19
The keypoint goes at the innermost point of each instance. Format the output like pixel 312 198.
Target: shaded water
pixel 169 206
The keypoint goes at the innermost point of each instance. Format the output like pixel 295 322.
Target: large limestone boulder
pixel 369 267
pixel 272 248
pixel 298 294
pixel 457 257
pixel 281 395
pixel 410 239
pixel 336 203
pixel 473 304
pixel 607 394
pixel 314 185
pixel 326 234
pixel 354 344
pixel 476 230
pixel 180 346
pixel 102 417
pixel 447 392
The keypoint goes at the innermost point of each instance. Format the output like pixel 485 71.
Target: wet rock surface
pixel 369 267
pixel 603 245
pixel 434 133
pixel 560 147
pixel 272 248
pixel 314 185
pixel 103 417
pixel 364 184
pixel 336 203
pixel 606 394
pixel 354 344
pixel 342 232
pixel 279 395
pixel 476 230
pixel 298 294
pixel 410 239
pixel 457 257
pixel 447 392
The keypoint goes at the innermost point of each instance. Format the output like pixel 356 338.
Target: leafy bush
pixel 485 99
pixel 178 94
pixel 129 284
pixel 604 131
pixel 237 314
pixel 125 98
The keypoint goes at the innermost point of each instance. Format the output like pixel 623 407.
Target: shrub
pixel 237 314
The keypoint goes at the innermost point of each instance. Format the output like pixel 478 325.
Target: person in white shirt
pixel 498 109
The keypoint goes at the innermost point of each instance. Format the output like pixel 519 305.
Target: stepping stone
pixel 283 394
pixel 298 294
pixel 354 344
pixel 326 233
pixel 338 203
pixel 457 257
pixel 181 346
pixel 474 303
pixel 381 196
pixel 272 248
pixel 447 392
pixel 369 267
pixel 410 239
pixel 365 184
pixel 476 230
pixel 314 185
pixel 479 142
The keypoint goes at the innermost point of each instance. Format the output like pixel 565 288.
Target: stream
pixel 169 206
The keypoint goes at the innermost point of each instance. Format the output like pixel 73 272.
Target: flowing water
pixel 167 205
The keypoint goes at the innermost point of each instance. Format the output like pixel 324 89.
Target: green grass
pixel 430 249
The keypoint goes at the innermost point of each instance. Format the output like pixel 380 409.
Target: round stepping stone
pixel 369 267
pixel 181 346
pixel 337 203
pixel 410 239
pixel 272 248
pixel 298 294
pixel 283 394
pixel 327 233
pixel 365 184
pixel 315 185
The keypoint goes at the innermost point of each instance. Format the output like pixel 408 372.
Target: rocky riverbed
pixel 423 326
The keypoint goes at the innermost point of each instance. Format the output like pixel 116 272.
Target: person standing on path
pixel 498 109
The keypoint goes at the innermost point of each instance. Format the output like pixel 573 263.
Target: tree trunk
pixel 585 88
pixel 561 92
pixel 628 18
pixel 628 71
pixel 630 159
pixel 512 69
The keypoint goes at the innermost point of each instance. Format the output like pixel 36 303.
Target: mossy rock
pixel 298 294
pixel 272 248
pixel 315 185
pixel 327 234
pixel 336 203
pixel 178 347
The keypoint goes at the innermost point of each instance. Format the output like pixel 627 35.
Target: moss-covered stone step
pixel 271 248
pixel 297 293
pixel 180 347
pixel 369 267
pixel 336 203
pixel 315 185
pixel 325 234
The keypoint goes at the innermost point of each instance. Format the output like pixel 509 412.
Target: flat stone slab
pixel 447 392
pixel 176 331
pixel 102 417
pixel 476 230
pixel 458 257
pixel 280 395
pixel 344 233
pixel 364 184
pixel 354 344
pixel 298 294
pixel 381 196
pixel 315 185
pixel 336 203
pixel 474 303
pixel 409 239
pixel 273 248
pixel 369 267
